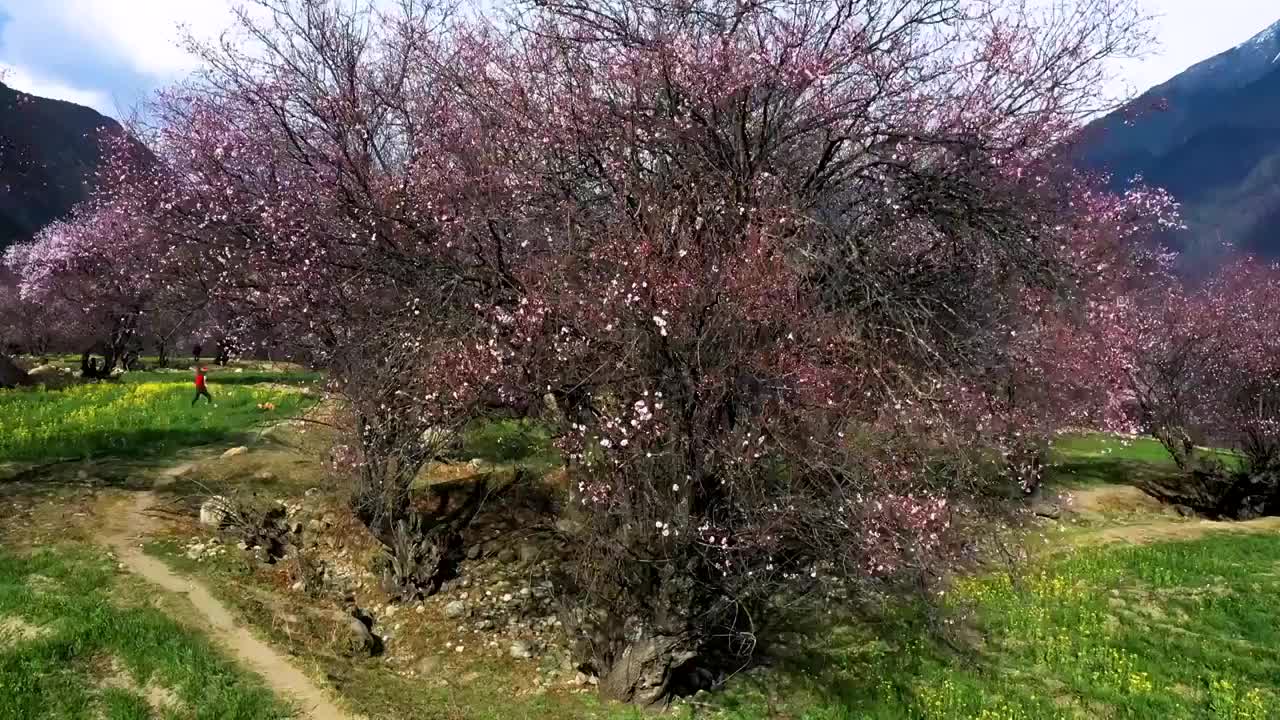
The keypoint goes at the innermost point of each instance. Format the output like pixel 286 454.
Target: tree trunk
pixel 646 670
pixel 11 375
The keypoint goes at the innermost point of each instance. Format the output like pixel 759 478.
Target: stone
pixel 507 556
pixel 233 452
pixel 473 552
pixel 436 439
pixel 568 527
pixel 529 553
pixel 264 476
pixel 215 511
pixel 521 650
pixel 455 609
pixel 475 463
pixel 358 639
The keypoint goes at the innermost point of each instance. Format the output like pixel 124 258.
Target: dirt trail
pixel 1172 531
pixel 126 525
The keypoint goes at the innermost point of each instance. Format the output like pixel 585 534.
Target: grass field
pixel 1174 630
pixel 143 413
pixel 1166 630
pixel 76 643
pixel 1153 630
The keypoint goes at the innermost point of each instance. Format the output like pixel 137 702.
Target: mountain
pixel 49 151
pixel 1211 136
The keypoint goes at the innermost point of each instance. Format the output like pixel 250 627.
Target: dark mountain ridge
pixel 1214 144
pixel 49 152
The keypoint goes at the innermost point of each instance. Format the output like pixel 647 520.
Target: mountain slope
pixel 49 151
pixel 1215 146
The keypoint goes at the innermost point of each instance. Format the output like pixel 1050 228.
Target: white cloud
pixel 35 84
pixel 143 35
pixel 147 34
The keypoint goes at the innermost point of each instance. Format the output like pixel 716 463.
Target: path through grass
pixel 76 642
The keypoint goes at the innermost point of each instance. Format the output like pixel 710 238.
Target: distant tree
pixel 1202 362
pixel 94 268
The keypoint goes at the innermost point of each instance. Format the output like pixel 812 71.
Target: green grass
pixel 93 649
pixel 1167 631
pixel 527 443
pixel 1095 458
pixel 1163 631
pixel 1101 447
pixel 142 414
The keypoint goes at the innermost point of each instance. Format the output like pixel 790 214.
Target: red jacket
pixel 199 380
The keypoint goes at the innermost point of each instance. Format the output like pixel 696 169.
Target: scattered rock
pixel 529 553
pixel 264 476
pixel 437 438
pixel 214 511
pixel 473 552
pixel 568 526
pixel 521 649
pixel 356 638
pixel 1051 512
pixel 235 451
pixel 507 556
pixel 455 609
pixel 475 464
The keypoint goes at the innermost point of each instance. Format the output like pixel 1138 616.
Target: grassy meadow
pixel 1149 627
pixel 77 641
pixel 141 413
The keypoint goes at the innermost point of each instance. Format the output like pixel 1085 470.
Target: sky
pixel 111 54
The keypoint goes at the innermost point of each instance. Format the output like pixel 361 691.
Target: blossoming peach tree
pixel 787 269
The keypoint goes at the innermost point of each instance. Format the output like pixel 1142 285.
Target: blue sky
pixel 110 54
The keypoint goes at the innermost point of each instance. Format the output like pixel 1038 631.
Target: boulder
pixel 235 451
pixel 214 511
pixel 455 609
pixel 529 553
pixel 436 439
pixel 521 650
pixel 355 637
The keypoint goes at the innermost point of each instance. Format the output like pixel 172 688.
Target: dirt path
pixel 1173 531
pixel 126 524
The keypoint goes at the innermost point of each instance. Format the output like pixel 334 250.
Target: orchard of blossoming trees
pixel 809 283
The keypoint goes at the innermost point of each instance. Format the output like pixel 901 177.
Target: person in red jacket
pixel 201 389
